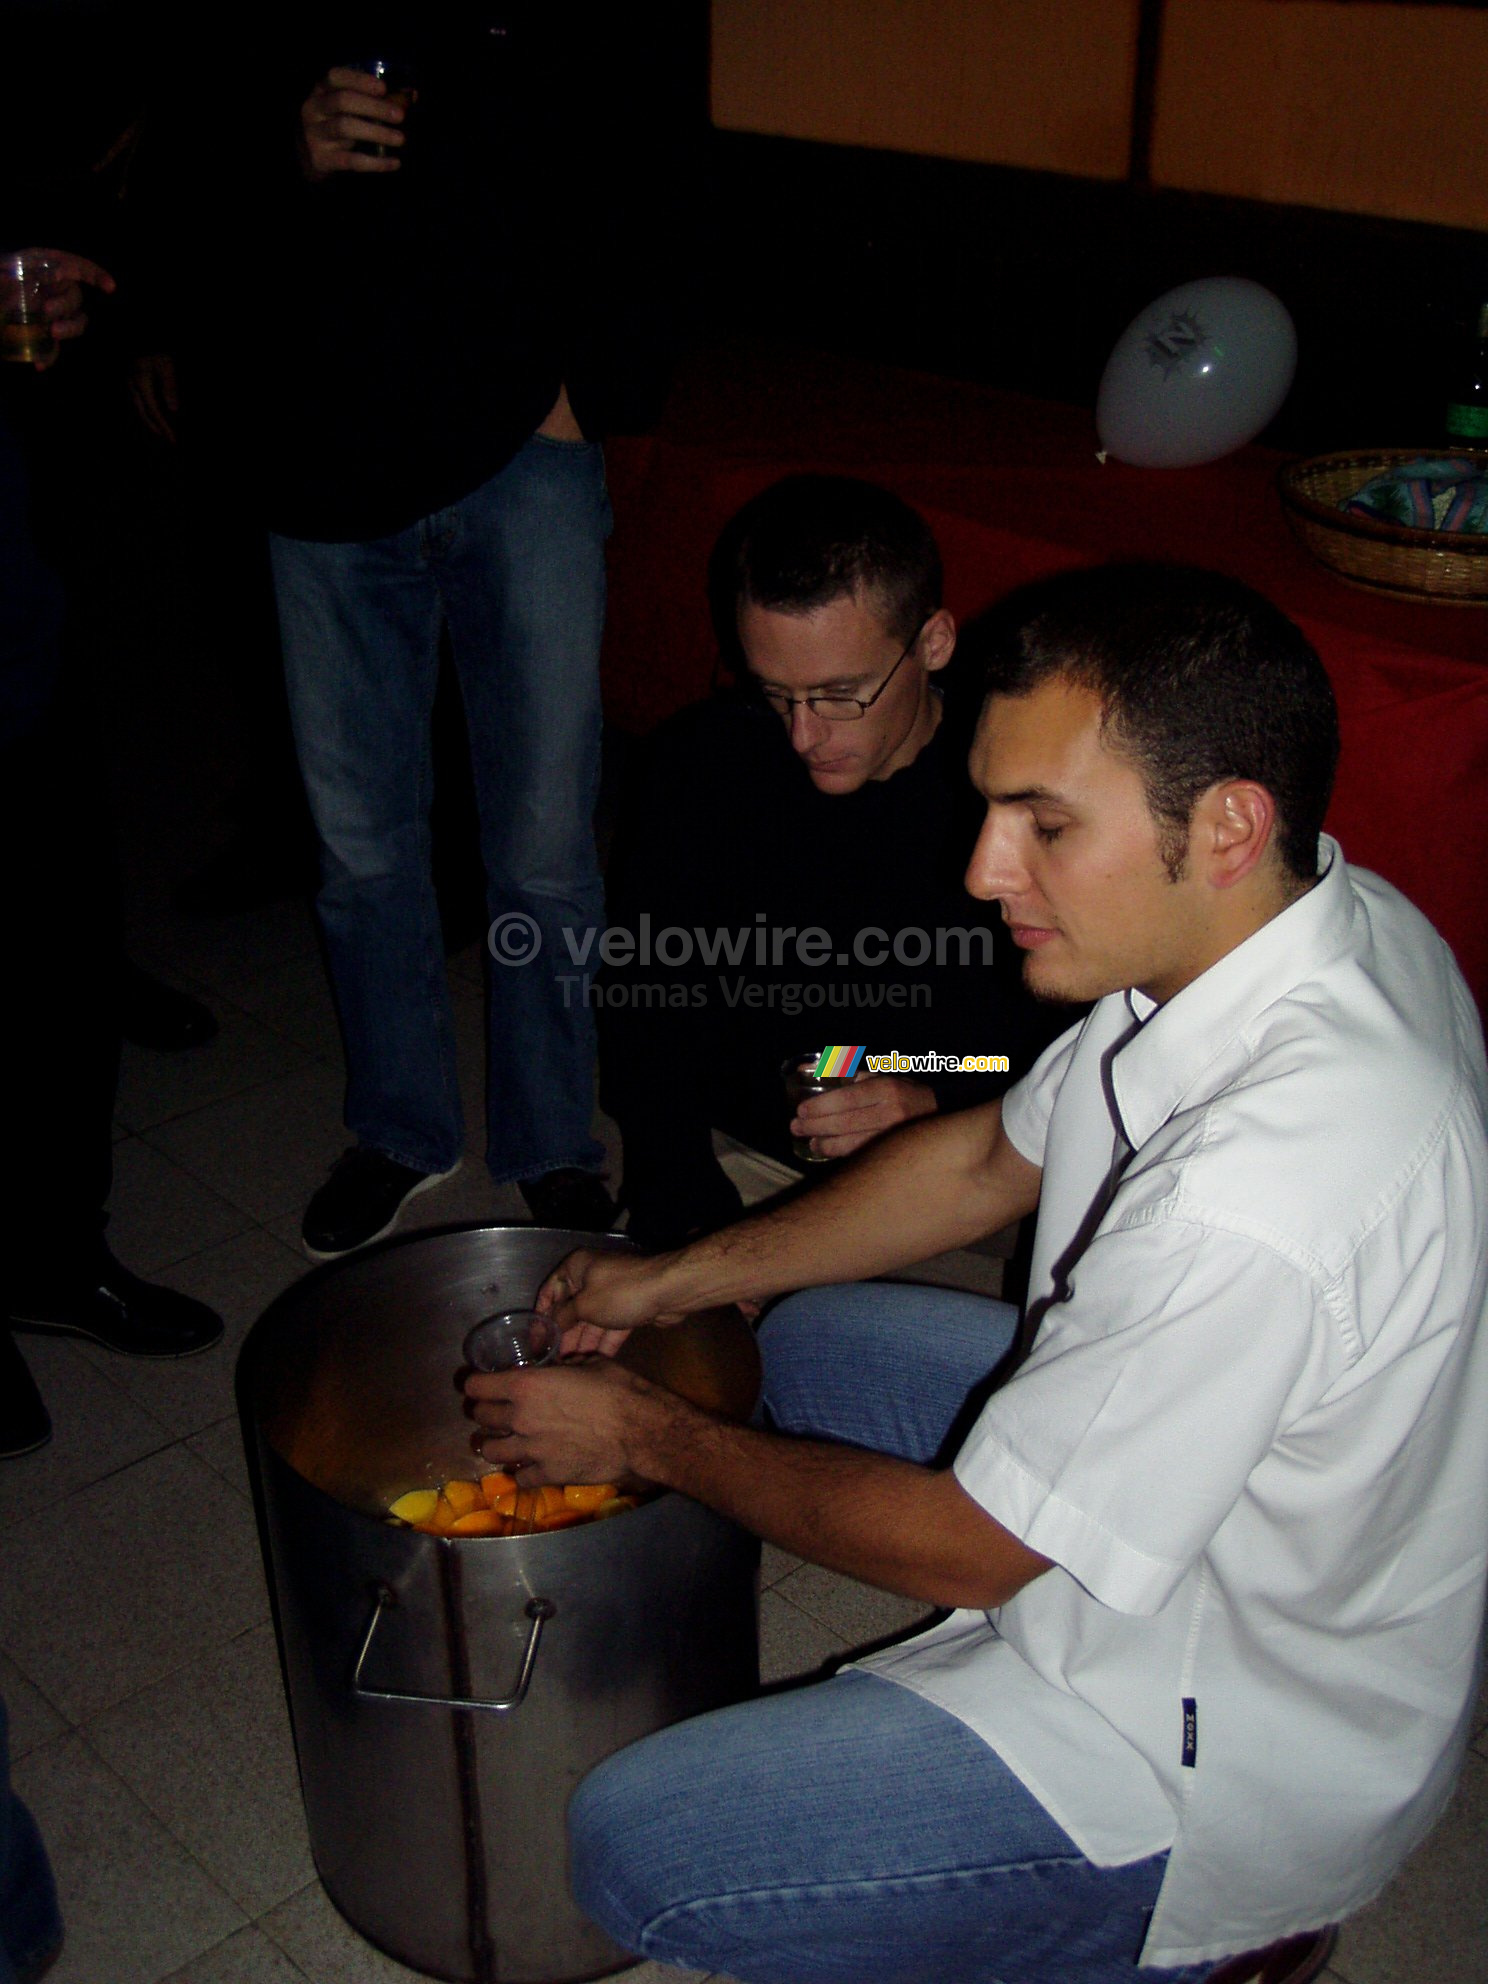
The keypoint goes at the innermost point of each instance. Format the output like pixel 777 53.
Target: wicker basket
pixel 1450 567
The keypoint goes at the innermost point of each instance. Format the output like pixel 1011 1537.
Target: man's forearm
pixel 932 1185
pixel 908 1529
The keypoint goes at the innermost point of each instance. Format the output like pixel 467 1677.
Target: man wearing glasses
pixel 810 829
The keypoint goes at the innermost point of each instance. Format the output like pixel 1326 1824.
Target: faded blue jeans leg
pixel 523 582
pixel 849 1832
pixel 359 625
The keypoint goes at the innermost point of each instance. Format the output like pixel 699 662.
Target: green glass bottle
pixel 1466 421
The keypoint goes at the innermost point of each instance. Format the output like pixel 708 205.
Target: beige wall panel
pixel 1038 83
pixel 1371 108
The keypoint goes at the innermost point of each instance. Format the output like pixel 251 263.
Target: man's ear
pixel 1234 827
pixel 937 640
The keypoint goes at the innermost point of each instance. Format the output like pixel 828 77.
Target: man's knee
pixel 606 1871
pixel 783 1326
pixel 793 1338
pixel 363 854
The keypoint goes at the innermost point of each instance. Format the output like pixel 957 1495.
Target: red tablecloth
pixel 1014 490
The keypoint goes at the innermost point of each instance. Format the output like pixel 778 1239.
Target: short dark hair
pixel 810 539
pixel 1200 680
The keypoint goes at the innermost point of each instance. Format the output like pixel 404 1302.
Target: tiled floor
pixel 136 1652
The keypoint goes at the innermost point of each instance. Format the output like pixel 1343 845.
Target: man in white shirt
pixel 1216 1548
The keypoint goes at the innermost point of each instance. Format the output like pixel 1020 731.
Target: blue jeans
pixel 851 1830
pixel 30 1925
pixel 516 572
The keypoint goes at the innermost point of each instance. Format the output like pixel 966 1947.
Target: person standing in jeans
pixel 478 258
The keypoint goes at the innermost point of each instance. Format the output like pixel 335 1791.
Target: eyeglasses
pixel 837 709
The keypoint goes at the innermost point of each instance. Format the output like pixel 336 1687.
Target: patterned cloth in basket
pixel 1446 494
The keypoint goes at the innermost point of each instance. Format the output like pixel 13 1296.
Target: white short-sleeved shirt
pixel 1253 1431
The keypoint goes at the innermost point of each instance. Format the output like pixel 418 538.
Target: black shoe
pixel 25 1423
pixel 152 1014
pixel 116 1309
pixel 570 1198
pixel 362 1201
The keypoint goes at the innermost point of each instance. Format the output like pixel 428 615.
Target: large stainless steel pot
pixel 448 1693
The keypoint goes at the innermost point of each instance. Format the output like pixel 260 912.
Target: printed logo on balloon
pixel 1196 374
pixel 1181 335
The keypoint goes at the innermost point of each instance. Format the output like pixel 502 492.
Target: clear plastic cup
pixel 27 282
pixel 800 1079
pixel 393 73
pixel 512 1340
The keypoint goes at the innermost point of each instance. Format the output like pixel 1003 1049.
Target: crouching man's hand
pixel 599 1298
pixel 587 1420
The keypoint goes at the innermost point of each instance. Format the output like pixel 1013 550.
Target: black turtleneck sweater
pixel 722 831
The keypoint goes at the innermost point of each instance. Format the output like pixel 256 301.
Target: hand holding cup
pixel 351 121
pixel 41 302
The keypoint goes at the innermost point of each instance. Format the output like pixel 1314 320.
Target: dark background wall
pixel 992 189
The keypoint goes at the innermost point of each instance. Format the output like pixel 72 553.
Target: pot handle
pixel 539 1611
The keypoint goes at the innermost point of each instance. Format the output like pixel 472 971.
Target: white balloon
pixel 1196 374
